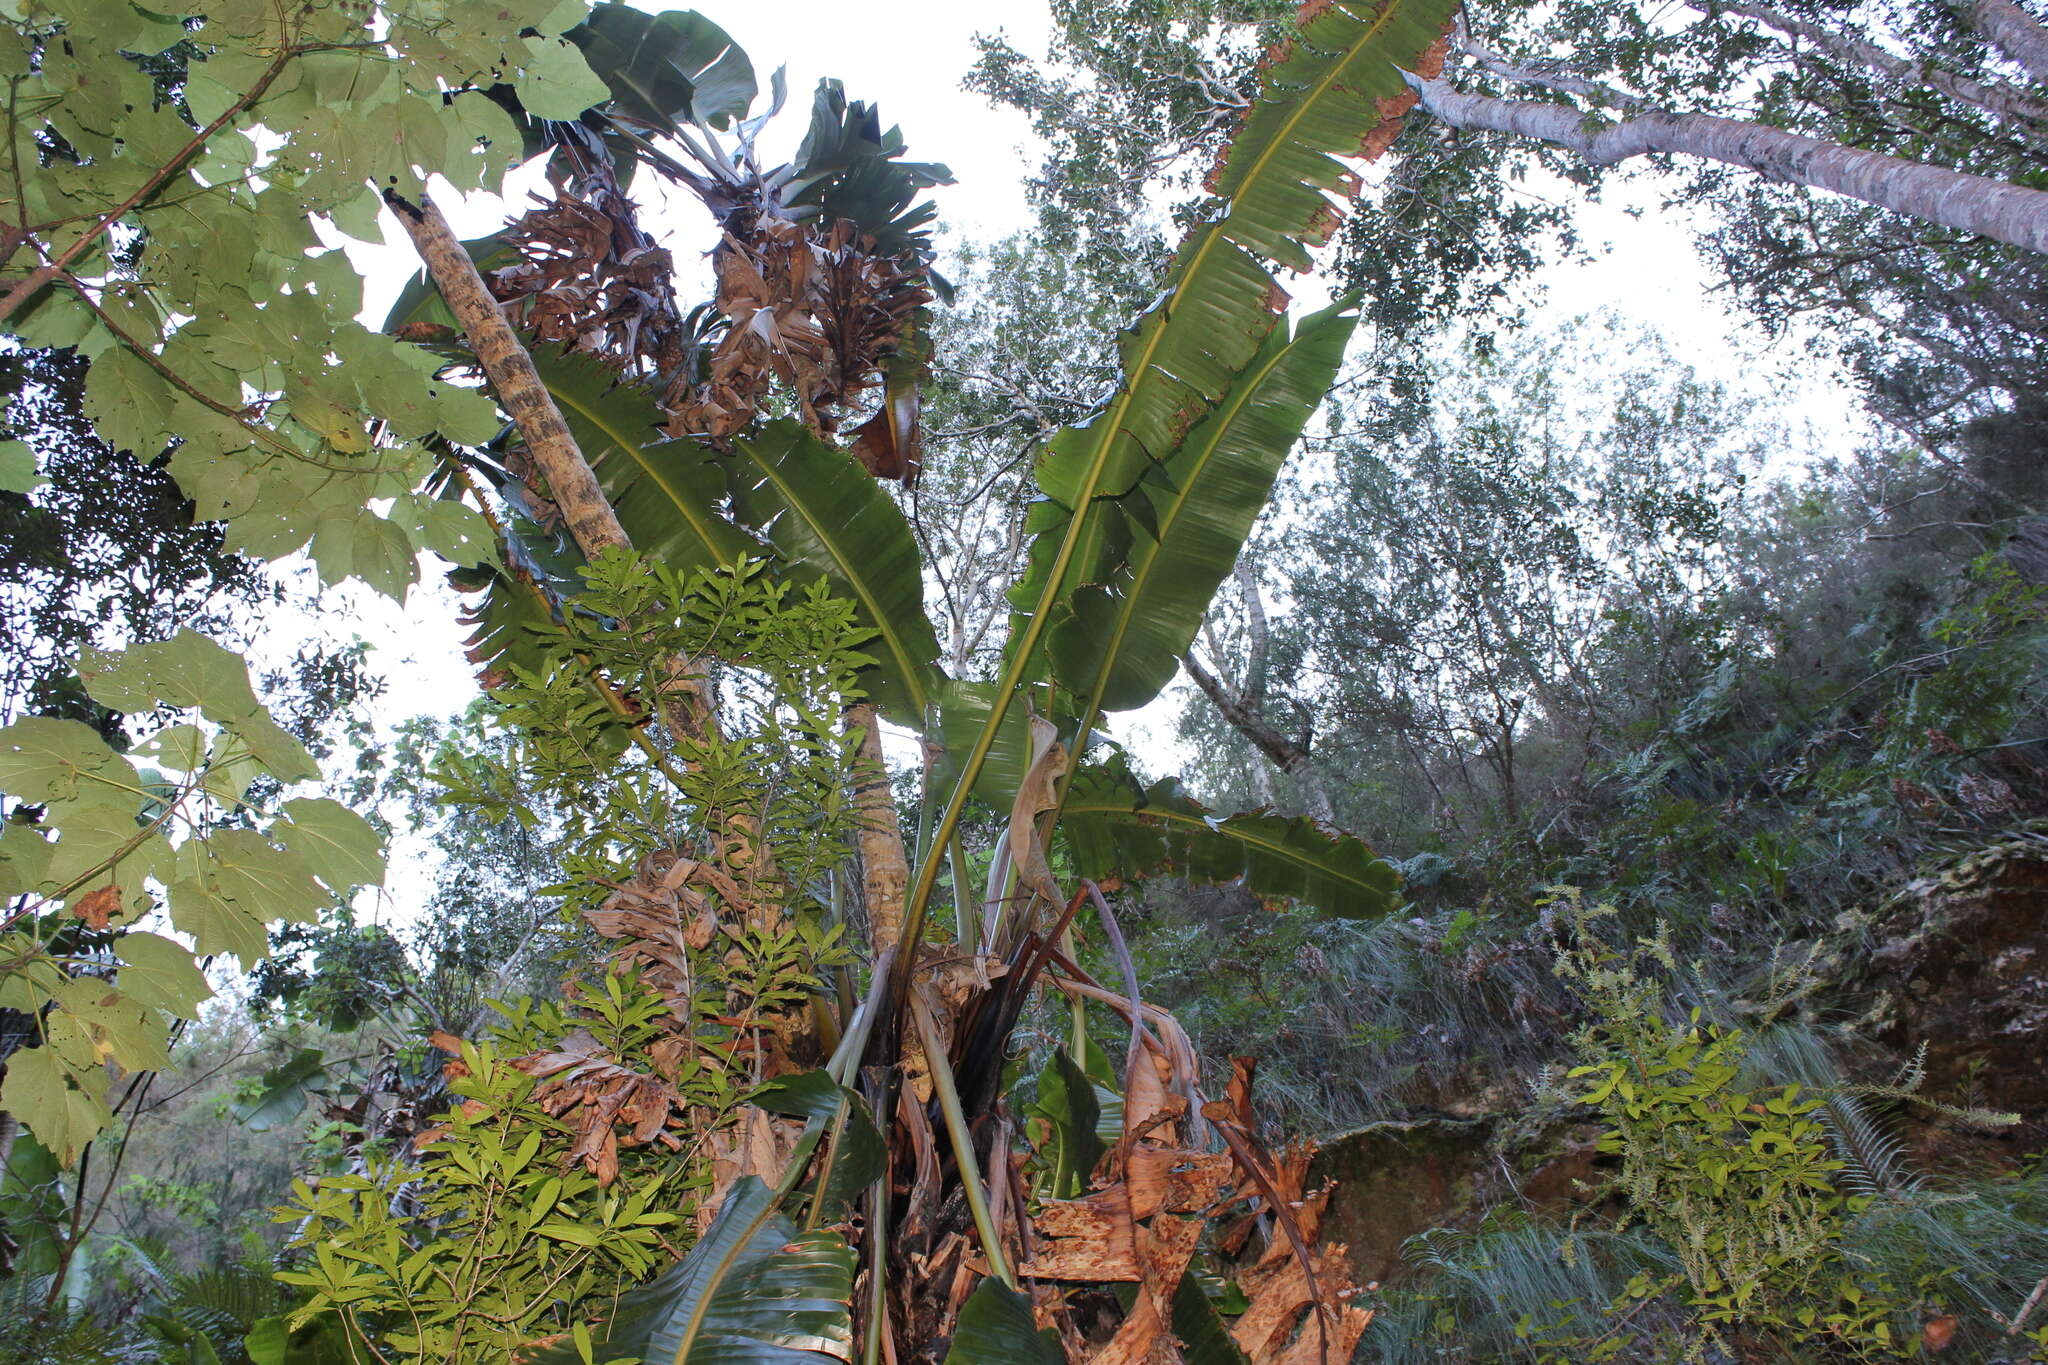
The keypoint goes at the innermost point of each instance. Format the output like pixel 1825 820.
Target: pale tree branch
pixel 1291 758
pixel 1952 199
pixel 2015 32
pixel 1993 96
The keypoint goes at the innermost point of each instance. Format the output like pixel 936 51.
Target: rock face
pixel 1398 1178
pixel 1403 1176
pixel 1958 964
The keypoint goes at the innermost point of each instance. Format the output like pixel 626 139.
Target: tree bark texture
pixel 2015 32
pixel 1995 97
pixel 1291 757
pixel 687 711
pixel 1969 203
pixel 884 864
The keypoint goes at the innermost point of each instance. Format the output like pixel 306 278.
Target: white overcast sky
pixel 909 56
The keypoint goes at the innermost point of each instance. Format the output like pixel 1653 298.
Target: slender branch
pixel 43 274
pixel 1292 758
pixel 1969 203
pixel 1564 82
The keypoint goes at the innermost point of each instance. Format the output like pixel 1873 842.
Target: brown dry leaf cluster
pixel 591 280
pixel 674 906
pixel 1155 1198
pixel 1158 1199
pixel 816 309
pixel 610 1096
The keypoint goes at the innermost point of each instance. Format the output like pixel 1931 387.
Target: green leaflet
pixel 1113 827
pixel 18 468
pixel 823 511
pixel 189 670
pixel 996 1328
pixel 754 1291
pixel 555 82
pixel 1120 642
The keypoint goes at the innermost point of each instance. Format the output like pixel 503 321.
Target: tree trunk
pixel 2016 33
pixel 884 867
pixel 687 710
pixel 1291 757
pixel 1970 203
pixel 1253 693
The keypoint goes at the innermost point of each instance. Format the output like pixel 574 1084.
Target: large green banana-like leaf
pixel 1199 1329
pixel 996 1328
pixel 1066 1101
pixel 1334 91
pixel 666 69
pixel 854 1154
pixel 666 492
pixel 754 1291
pixel 1115 827
pixel 1120 642
pixel 1221 302
pixel 825 512
pixel 964 709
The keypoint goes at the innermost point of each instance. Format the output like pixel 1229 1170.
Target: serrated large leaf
pixel 753 1291
pixel 1120 642
pixel 1115 827
pixel 823 511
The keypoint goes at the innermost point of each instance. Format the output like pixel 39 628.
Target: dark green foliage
pixel 754 1289
pixel 1116 828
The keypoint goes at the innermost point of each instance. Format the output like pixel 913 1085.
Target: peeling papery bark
pixel 884 865
pixel 1968 203
pixel 687 709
